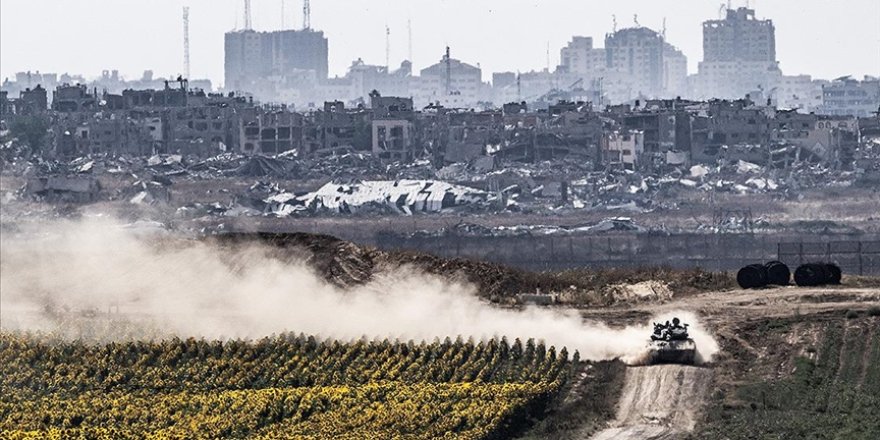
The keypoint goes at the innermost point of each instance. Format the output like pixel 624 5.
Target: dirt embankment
pixel 346 264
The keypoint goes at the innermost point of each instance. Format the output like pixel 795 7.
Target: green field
pixel 830 390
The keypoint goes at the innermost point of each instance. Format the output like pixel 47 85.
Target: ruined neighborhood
pixel 615 140
pixel 440 219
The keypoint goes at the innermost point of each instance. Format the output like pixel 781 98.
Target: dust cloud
pixel 184 287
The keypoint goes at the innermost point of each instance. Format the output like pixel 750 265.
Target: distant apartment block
pixel 580 57
pixel 851 97
pixel 450 82
pixel 645 63
pixel 739 56
pixel 255 59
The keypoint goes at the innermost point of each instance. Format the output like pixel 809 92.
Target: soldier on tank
pixel 659 332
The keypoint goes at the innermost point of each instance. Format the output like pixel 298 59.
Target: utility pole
pixel 307 15
pixel 282 15
pixel 186 41
pixel 247 15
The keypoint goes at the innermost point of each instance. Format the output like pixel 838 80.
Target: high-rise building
pixel 254 58
pixel 644 64
pixel 739 56
pixel 674 72
pixel 581 58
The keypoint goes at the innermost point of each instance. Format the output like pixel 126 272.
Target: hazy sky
pixel 825 38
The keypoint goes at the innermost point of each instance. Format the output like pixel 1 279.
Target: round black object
pixel 752 276
pixel 778 273
pixel 811 274
pixel 834 273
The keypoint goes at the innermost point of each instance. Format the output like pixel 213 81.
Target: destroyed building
pixel 393 129
pixel 652 135
pixel 79 189
pixel 337 128
pixel 572 129
pixel 269 131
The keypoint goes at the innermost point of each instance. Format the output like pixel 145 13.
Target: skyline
pixel 357 29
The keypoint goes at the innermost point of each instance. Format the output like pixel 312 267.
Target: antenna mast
pixel 247 15
pixel 186 41
pixel 409 40
pixel 387 48
pixel 548 56
pixel 446 59
pixel 518 88
pixel 307 15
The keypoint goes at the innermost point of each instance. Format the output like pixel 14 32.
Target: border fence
pixel 853 257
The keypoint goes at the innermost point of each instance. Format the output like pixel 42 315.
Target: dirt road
pixel 659 402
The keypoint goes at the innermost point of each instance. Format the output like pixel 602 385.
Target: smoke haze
pixel 195 288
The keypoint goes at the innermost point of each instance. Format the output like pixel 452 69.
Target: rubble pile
pixel 377 196
pixel 351 182
pixel 612 224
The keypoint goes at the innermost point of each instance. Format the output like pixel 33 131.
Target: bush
pixel 852 314
pixel 874 311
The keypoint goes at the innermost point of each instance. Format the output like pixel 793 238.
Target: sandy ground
pixel 718 309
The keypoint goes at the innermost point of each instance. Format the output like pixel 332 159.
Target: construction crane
pixel 307 15
pixel 186 41
pixel 247 15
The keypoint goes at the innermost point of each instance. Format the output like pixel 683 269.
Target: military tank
pixel 671 344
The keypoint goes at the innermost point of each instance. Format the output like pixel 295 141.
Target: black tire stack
pixel 817 274
pixel 755 276
pixel 778 273
pixel 752 276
